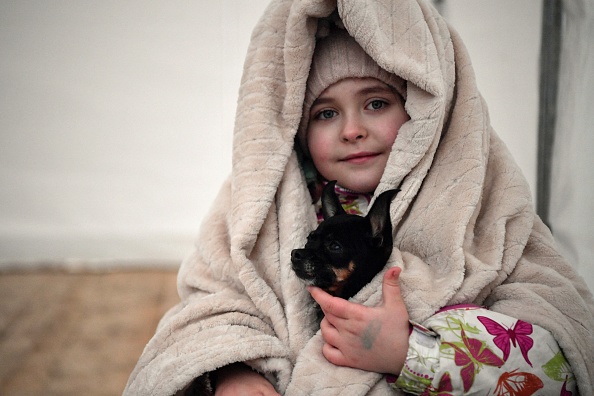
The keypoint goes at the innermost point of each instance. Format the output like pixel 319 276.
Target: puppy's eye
pixel 334 246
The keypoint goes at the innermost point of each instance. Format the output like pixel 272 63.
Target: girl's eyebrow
pixel 321 100
pixel 380 88
pixel 368 90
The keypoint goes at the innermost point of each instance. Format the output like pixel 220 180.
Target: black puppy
pixel 346 251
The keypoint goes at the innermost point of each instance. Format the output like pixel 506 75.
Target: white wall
pixel 116 122
pixel 116 116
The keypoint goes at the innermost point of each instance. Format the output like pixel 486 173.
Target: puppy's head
pixel 346 251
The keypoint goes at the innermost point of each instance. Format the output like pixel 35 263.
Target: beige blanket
pixel 465 230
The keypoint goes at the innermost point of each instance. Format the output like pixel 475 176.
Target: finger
pixel 330 333
pixel 391 294
pixel 318 294
pixel 330 305
pixel 333 355
pixel 326 325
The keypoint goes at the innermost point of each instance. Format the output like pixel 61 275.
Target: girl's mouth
pixel 359 158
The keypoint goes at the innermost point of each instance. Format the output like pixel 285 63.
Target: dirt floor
pixel 77 334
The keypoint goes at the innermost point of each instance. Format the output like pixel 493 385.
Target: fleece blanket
pixel 465 228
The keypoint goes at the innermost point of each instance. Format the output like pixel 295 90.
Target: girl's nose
pixel 353 130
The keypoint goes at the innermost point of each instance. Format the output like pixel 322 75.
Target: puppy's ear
pixel 330 204
pixel 379 215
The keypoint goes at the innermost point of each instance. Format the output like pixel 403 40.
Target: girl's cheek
pixel 319 157
pixel 317 147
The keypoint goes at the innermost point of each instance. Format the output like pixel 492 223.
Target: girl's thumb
pixel 391 286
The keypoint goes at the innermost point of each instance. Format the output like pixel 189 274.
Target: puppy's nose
pixel 297 255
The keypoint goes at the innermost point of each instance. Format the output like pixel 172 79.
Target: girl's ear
pixel 330 204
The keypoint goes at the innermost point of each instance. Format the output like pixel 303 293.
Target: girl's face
pixel 352 127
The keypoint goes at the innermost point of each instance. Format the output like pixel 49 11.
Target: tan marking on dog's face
pixel 342 274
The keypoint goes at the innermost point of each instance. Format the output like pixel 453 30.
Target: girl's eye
pixel 325 114
pixel 377 104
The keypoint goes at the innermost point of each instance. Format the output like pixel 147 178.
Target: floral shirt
pixel 352 202
pixel 467 349
pixel 472 350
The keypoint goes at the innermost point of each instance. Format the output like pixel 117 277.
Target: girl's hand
pixel 240 380
pixel 368 338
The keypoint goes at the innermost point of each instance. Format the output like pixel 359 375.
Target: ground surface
pixel 77 334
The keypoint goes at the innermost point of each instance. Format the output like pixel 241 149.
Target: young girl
pixel 474 297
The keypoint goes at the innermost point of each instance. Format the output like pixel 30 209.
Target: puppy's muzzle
pixel 303 264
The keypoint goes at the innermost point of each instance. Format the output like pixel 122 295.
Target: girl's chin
pixel 366 186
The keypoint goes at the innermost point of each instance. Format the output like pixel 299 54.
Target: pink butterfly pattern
pixel 472 357
pixel 443 389
pixel 518 336
pixel 564 391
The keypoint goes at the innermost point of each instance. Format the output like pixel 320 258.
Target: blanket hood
pixel 444 167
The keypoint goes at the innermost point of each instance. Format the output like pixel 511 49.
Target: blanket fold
pixel 465 228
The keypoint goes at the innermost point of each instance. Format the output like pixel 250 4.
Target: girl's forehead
pixel 355 86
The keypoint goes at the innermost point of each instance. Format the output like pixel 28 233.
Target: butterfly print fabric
pixel 475 344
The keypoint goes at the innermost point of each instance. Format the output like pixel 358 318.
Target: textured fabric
pixel 465 228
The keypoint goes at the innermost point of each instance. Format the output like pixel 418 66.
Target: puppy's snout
pixel 302 263
pixel 297 255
